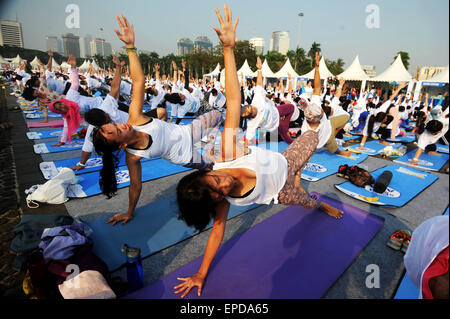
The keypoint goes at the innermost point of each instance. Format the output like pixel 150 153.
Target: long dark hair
pixel 420 121
pixel 432 126
pixel 196 206
pixel 379 117
pixel 174 98
pixel 108 181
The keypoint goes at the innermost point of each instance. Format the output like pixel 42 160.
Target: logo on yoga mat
pixel 74 144
pixel 122 176
pixel 314 167
pixel 390 192
pixel 424 163
pixel 94 162
pixel 58 133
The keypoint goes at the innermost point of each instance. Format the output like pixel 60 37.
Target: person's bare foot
pixel 332 211
pixel 344 153
pixel 384 143
pixel 298 184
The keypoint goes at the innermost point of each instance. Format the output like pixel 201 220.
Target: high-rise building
pixel 280 42
pixel 51 43
pixel 100 47
pixel 11 33
pixel 85 46
pixel 370 70
pixel 258 44
pixel 71 44
pixel 184 46
pixel 202 43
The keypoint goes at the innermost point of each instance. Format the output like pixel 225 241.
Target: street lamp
pixel 300 15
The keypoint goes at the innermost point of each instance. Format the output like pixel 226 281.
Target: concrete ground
pixel 350 285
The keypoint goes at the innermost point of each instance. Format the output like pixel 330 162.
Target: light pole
pixel 300 15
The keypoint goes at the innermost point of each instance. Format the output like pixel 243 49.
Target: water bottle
pixel 135 275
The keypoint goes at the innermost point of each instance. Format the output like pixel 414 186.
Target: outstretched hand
pixel 124 218
pixel 317 59
pixel 258 63
pixel 127 30
pixel 189 283
pixel 227 32
pixel 116 60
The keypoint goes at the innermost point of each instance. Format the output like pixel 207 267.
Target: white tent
pixel 95 65
pixel 246 71
pixel 323 71
pixel 3 61
pixel 65 65
pixel 286 70
pixel 396 72
pixel 35 63
pixel 85 65
pixel 438 80
pixel 17 60
pixel 354 72
pixel 214 73
pixel 55 64
pixel 266 71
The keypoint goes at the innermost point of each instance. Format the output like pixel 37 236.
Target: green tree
pixel 275 60
pixel 336 67
pixel 405 58
pixel 315 47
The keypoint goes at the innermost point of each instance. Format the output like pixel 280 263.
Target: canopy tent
pixel 65 65
pixel 17 60
pixel 323 71
pixel 354 72
pixel 35 63
pixel 286 70
pixel 396 72
pixel 95 65
pixel 85 65
pixel 214 73
pixel 439 79
pixel 266 71
pixel 54 64
pixel 246 71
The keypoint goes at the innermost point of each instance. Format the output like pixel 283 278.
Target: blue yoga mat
pixel 325 164
pixel 154 227
pixel 405 139
pixel 150 170
pixel 41 116
pixel 44 148
pixel 371 148
pixel 406 184
pixel 426 161
pixel 350 138
pixel 37 135
pixel 442 148
pixel 295 254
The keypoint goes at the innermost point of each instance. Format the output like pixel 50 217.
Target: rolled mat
pixel 154 169
pixel 325 164
pixel 426 161
pixel 44 148
pixel 406 183
pixel 154 227
pixel 295 254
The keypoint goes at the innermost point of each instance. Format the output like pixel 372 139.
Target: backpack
pixel 356 175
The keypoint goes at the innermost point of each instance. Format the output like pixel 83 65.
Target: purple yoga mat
pixel 56 123
pixel 295 254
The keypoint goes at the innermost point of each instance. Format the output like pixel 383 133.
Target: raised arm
pixel 317 85
pixel 137 75
pixel 50 60
pixel 339 89
pixel 226 35
pixel 259 76
pixel 397 90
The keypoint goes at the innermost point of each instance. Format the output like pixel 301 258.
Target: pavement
pixel 350 285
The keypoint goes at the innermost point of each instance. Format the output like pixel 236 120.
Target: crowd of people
pixel 112 103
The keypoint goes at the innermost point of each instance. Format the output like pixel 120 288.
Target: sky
pixel 420 27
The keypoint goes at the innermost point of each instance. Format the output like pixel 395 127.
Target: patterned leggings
pixel 208 125
pixel 297 155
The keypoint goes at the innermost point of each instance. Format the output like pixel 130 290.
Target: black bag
pixel 356 175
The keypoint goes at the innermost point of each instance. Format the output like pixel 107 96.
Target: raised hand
pixel 227 32
pixel 258 63
pixel 341 82
pixel 174 65
pixel 127 31
pixel 317 59
pixel 72 61
pixel 183 64
pixel 50 53
pixel 116 60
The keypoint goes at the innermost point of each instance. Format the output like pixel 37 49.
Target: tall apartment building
pixel 258 44
pixel 71 44
pixel 11 33
pixel 184 46
pixel 280 42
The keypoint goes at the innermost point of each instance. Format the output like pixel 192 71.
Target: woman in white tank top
pixel 254 175
pixel 142 136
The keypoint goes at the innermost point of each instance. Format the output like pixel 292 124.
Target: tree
pixel 298 59
pixel 315 47
pixel 336 67
pixel 275 60
pixel 405 58
pixel 100 60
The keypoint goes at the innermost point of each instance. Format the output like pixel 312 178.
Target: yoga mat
pixel 426 161
pixel 405 139
pixel 93 164
pixel 41 116
pixel 325 164
pixel 55 123
pixel 442 148
pixel 350 138
pixel 44 148
pixel 36 135
pixel 371 148
pixel 406 184
pixel 153 169
pixel 154 227
pixel 295 254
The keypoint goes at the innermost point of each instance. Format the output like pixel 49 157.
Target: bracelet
pixel 133 49
pixel 82 165
pixel 415 159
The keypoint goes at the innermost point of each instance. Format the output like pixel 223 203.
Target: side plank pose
pixel 255 176
pixel 142 136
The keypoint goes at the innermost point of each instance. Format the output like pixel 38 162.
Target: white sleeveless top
pixel 169 141
pixel 271 171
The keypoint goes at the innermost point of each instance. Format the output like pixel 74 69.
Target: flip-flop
pixel 406 241
pixel 396 240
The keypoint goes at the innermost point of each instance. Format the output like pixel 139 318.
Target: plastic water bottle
pixel 135 274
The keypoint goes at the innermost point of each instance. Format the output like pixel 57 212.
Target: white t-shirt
pixel 324 130
pixel 337 109
pixel 267 118
pixel 125 88
pixel 376 126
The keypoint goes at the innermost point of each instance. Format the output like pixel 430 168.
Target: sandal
pixel 406 242
pixel 396 240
